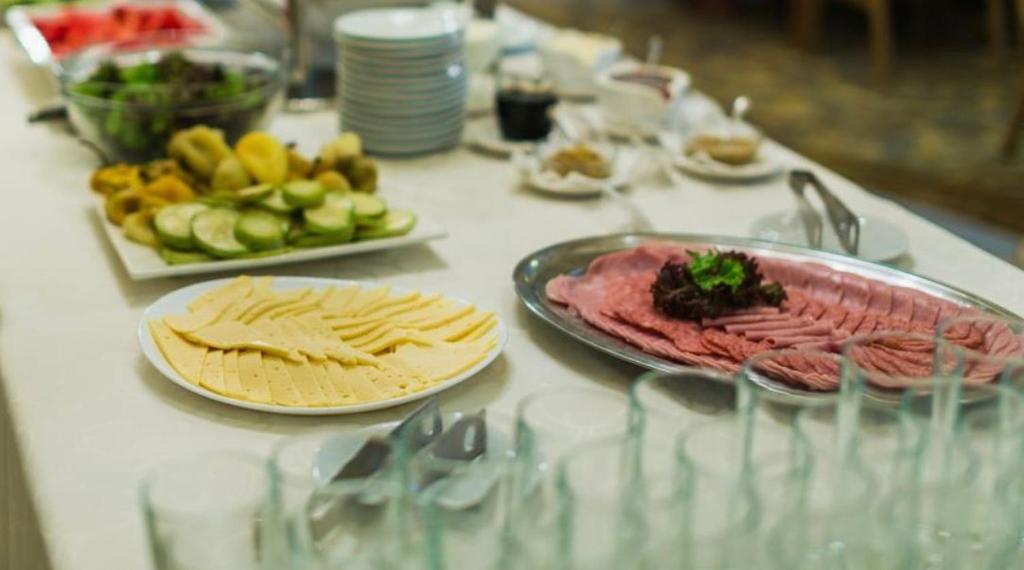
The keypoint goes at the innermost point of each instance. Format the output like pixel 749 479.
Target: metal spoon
pixel 740 106
pixel 654 48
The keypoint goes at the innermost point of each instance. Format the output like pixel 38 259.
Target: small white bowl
pixel 634 106
pixel 572 58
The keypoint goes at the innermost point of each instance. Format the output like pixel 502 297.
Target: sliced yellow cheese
pixel 364 298
pixel 306 383
pixel 212 376
pixel 364 333
pixel 319 372
pixel 387 301
pixel 416 303
pixel 252 377
pixel 232 335
pixel 439 362
pixel 334 347
pixel 309 303
pixel 274 301
pixel 353 380
pixel 232 382
pixel 237 288
pixel 301 339
pixel 481 330
pixel 282 390
pixel 184 357
pixel 393 338
pixel 444 317
pixel 459 327
pixel 339 299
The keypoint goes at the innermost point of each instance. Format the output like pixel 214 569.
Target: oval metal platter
pixel 572 257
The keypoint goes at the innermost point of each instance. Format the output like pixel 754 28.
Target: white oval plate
pixel 176 302
pixel 879 240
pixel 574 185
pixel 767 163
pixel 398 25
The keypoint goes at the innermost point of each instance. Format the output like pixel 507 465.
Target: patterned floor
pixel 930 133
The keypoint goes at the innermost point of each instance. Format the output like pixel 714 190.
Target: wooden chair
pixel 806 17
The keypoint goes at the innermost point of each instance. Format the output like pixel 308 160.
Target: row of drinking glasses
pixel 916 465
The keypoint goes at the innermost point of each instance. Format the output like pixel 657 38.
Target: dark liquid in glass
pixel 523 115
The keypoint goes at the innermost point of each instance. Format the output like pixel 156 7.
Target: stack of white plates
pixel 402 78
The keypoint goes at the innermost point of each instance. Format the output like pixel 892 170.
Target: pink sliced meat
pixel 743 319
pixel 902 303
pixel 821 330
pixel 823 308
pixel 926 311
pixel 880 298
pixel 856 292
pixel 834 316
pixel 768 326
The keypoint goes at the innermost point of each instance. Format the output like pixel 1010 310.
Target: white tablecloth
pixel 88 416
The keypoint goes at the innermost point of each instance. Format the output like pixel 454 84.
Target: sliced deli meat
pixel 823 308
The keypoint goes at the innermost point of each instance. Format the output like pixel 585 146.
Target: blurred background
pixel 918 100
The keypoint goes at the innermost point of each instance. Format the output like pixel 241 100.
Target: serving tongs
pixel 845 223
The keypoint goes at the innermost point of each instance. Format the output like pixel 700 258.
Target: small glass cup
pixel 548 425
pixel 465 498
pixel 209 512
pixel 311 465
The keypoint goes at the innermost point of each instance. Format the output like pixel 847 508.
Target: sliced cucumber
pixel 254 194
pixel 368 207
pixel 335 216
pixel 219 199
pixel 174 224
pixel 303 193
pixel 259 230
pixel 214 232
pixel 266 253
pixel 314 240
pixel 396 223
pixel 177 257
pixel 275 203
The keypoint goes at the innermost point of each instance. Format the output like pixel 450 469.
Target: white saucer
pixel 766 163
pixel 484 135
pixel 879 240
pixel 533 174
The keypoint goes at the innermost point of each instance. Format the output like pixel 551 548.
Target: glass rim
pixel 536 396
pixel 238 457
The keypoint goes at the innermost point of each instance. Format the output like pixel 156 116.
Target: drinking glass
pixel 208 512
pixel 663 403
pixel 548 425
pixel 465 503
pixel 731 488
pixel 325 487
pixel 357 524
pixel 619 507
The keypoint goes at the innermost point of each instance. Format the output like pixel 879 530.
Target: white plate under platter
pixel 142 262
pixel 879 240
pixel 176 302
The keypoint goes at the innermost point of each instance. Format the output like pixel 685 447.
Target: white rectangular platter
pixel 143 262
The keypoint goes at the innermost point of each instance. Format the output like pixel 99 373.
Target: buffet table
pixel 87 416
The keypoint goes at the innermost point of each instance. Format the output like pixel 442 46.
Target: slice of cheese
pixel 481 330
pixel 309 303
pixel 282 390
pixel 252 377
pixel 415 304
pixel 237 288
pixel 274 301
pixel 324 382
pixel 353 380
pixel 340 299
pixel 185 357
pixel 440 362
pixel 386 301
pixel 364 333
pixel 443 317
pixel 232 382
pixel 212 376
pixel 459 327
pixel 364 298
pixel 233 335
pixel 306 383
pixel 301 339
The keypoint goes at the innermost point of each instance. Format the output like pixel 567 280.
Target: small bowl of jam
pixel 524 108
pixel 641 97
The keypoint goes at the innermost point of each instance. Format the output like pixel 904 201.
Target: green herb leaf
pixel 712 269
